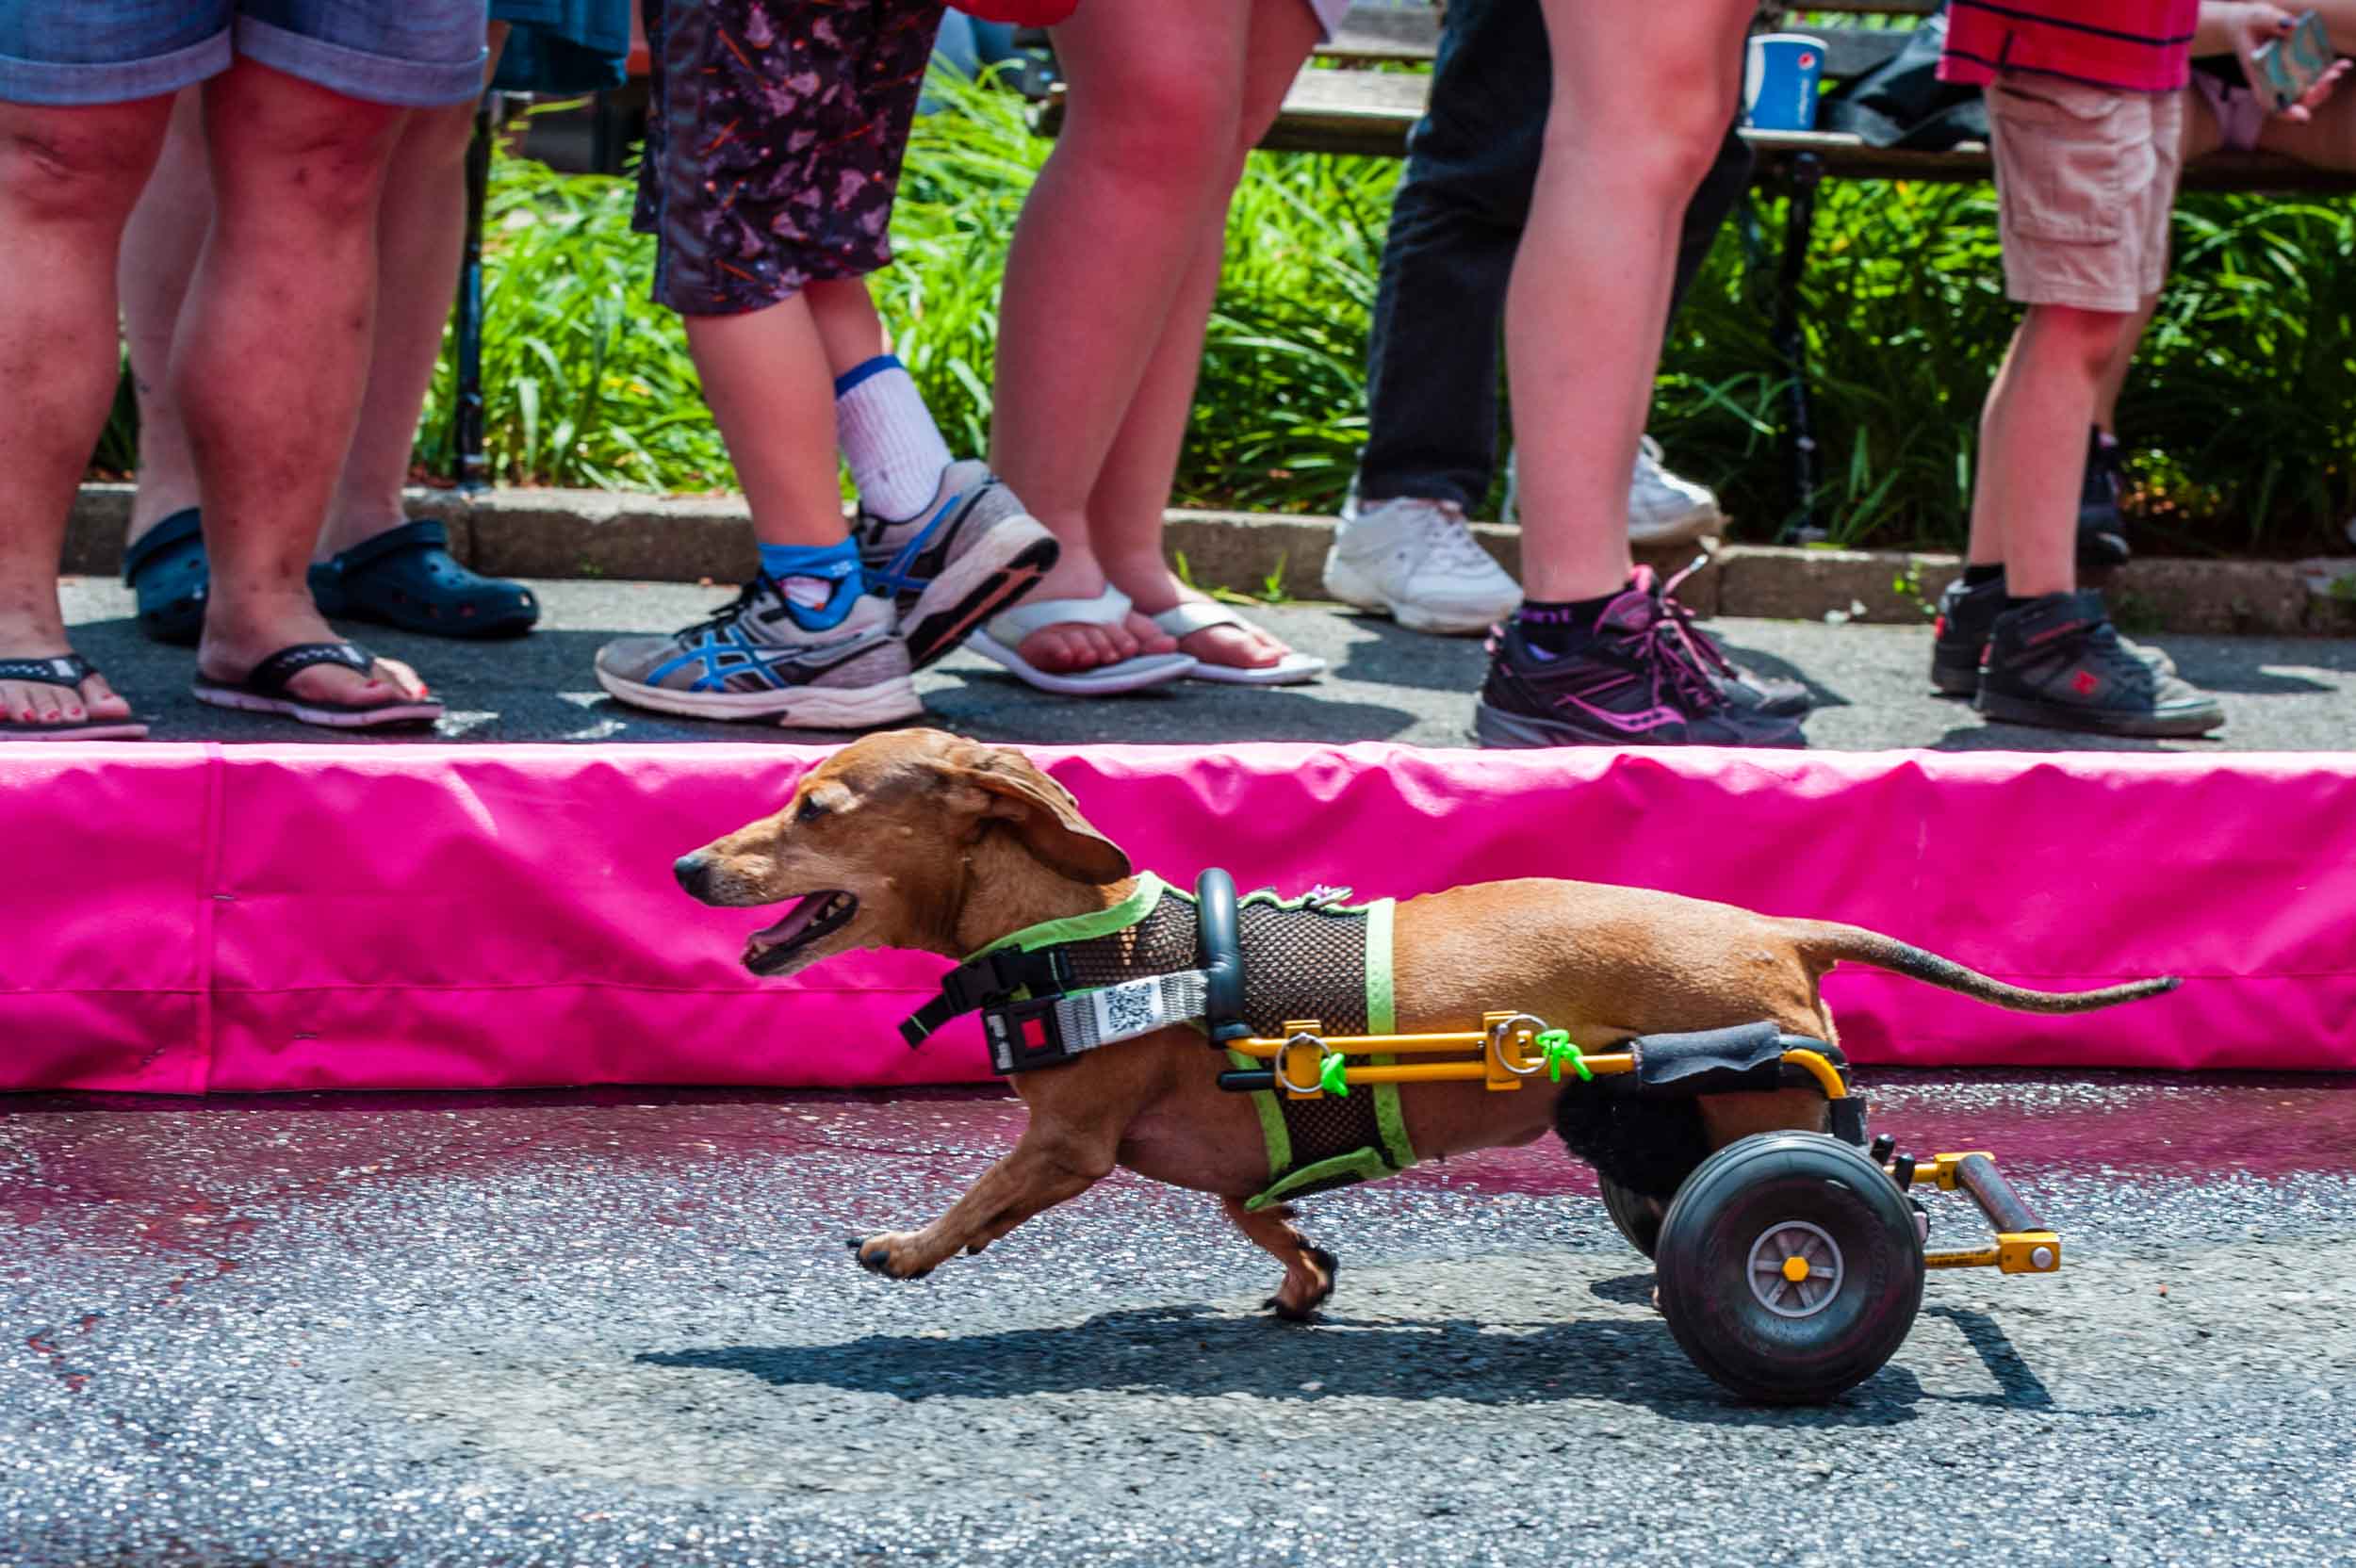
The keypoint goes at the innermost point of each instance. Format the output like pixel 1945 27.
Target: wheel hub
pixel 1796 1269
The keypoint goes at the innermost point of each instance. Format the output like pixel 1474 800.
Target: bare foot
pixel 1154 588
pixel 33 628
pixel 32 702
pixel 229 653
pixel 1076 646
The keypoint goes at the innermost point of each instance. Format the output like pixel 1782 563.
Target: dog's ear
pixel 1040 810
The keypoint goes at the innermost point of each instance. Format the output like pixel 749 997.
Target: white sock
pixel 889 438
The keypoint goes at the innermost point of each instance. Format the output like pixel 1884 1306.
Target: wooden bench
pixel 1339 106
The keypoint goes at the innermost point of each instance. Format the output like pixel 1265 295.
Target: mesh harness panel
pixel 1300 962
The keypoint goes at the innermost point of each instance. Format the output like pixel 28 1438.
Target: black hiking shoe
pixel 2056 662
pixel 1739 684
pixel 2102 527
pixel 1637 683
pixel 1959 638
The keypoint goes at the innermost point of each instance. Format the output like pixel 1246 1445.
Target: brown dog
pixel 915 838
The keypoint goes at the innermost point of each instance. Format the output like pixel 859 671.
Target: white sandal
pixel 1188 616
pixel 1005 633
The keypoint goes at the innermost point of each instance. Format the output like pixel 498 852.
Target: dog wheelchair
pixel 1791 1264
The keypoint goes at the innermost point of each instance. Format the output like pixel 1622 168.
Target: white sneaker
pixel 1416 561
pixel 1663 508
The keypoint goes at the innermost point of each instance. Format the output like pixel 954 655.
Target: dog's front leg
pixel 1043 1170
pixel 1309 1271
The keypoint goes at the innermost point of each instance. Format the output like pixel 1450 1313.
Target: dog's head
pixel 873 846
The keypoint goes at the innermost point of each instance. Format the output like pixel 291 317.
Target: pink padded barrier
pixel 186 918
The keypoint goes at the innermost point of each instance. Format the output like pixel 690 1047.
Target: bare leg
pixel 160 250
pixel 1132 491
pixel 1309 1271
pixel 277 320
pixel 1589 296
pixel 68 179
pixel 421 235
pixel 849 331
pixel 2201 137
pixel 765 375
pixel 2023 499
pixel 1044 1169
pixel 1105 242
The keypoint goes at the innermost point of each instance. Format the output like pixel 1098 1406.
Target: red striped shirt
pixel 2137 45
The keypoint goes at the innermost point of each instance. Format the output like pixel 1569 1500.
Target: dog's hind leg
pixel 1043 1170
pixel 1309 1271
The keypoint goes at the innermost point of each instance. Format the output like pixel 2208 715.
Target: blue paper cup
pixel 1779 78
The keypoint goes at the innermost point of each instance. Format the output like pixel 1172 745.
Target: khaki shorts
pixel 2084 179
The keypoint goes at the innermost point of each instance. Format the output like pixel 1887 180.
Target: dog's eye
pixel 812 811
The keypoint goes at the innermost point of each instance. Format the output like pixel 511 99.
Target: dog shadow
pixel 1201 1352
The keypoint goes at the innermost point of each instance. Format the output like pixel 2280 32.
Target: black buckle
pixel 986 981
pixel 1026 1035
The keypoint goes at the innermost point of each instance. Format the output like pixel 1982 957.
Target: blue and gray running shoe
pixel 969 555
pixel 753 661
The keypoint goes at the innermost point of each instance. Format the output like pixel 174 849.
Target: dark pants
pixel 1432 360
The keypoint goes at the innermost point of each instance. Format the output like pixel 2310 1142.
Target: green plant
pixel 1907 585
pixel 2240 417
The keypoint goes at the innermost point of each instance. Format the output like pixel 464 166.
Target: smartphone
pixel 2288 66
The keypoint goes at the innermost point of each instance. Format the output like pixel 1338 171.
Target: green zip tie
pixel 1557 1044
pixel 1330 1077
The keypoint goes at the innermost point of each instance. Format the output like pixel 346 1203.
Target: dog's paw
pixel 882 1255
pixel 1300 1306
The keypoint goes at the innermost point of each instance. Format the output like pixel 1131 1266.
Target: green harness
pixel 1313 956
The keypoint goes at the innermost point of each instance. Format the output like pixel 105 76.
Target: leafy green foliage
pixel 2240 419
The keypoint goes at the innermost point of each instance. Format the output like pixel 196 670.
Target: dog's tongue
pixel 805 911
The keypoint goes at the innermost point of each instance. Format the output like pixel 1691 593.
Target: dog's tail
pixel 1826 943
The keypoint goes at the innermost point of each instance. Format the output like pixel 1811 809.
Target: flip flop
pixel 264 691
pixel 1005 633
pixel 1186 617
pixel 166 568
pixel 67 671
pixel 405 576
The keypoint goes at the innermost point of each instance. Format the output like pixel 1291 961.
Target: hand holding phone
pixel 2288 66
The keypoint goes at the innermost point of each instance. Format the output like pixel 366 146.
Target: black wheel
pixel 1789 1269
pixel 1633 1213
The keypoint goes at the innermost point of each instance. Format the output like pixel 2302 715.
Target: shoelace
pixel 739 607
pixel 1453 543
pixel 1704 656
pixel 1667 649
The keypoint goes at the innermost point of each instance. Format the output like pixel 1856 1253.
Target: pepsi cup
pixel 1779 78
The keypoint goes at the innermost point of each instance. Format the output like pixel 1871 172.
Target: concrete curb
pixel 595 533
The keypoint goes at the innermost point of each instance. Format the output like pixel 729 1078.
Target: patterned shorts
pixel 775 130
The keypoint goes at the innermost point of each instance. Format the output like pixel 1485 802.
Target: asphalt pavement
pixel 620 1327
pixel 1870 682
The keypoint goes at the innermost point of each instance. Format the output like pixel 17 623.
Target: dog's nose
pixel 693 872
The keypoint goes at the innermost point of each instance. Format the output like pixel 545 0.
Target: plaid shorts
pixel 775 130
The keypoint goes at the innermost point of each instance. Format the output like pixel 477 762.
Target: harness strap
pixel 1135 1007
pixel 981 982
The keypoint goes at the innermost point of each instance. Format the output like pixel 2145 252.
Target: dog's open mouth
pixel 813 915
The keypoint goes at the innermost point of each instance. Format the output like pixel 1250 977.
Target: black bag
pixel 1903 103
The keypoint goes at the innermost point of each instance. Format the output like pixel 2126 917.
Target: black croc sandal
pixel 166 569
pixel 406 577
pixel 264 691
pixel 67 671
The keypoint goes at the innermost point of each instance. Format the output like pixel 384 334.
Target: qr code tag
pixel 1134 1008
